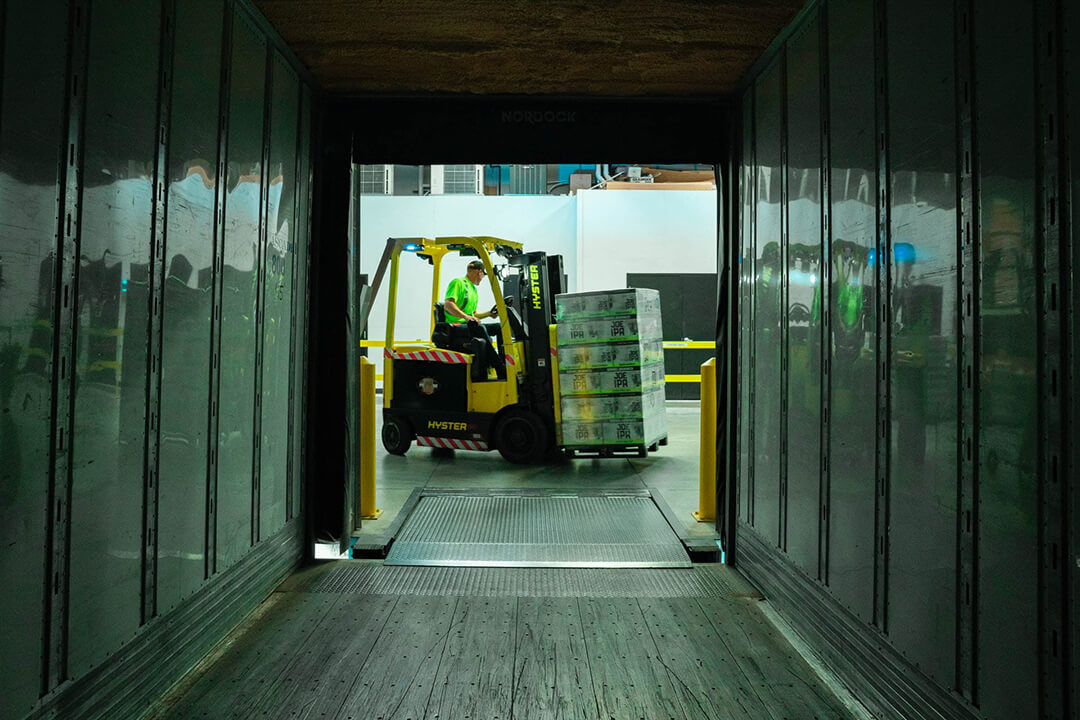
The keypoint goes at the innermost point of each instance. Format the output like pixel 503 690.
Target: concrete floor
pixel 672 472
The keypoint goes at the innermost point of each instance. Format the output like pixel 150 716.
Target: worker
pixel 462 296
pixel 460 306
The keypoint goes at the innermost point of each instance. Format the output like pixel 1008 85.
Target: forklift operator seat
pixel 446 335
pixel 440 313
pixel 459 337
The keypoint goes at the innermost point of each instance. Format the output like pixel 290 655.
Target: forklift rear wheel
pixel 521 437
pixel 397 436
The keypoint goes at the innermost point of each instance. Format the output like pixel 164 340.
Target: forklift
pixel 474 386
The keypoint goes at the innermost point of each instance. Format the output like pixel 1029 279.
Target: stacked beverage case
pixel 611 368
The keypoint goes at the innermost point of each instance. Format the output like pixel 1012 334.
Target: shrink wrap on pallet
pixel 630 302
pixel 590 381
pixel 608 355
pixel 611 370
pixel 613 407
pixel 638 431
pixel 605 330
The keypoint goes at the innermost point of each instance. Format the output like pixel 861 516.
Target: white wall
pixel 539 222
pixel 644 231
pixel 601 234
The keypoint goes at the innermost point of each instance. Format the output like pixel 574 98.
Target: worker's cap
pixel 477 265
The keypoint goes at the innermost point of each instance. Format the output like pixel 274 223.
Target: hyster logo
pixel 446 425
pixel 534 282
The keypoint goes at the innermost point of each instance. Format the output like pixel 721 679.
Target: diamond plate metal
pixel 371 577
pixel 551 531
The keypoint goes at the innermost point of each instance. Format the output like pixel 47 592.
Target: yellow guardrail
pixel 707 445
pixel 368 511
pixel 682 378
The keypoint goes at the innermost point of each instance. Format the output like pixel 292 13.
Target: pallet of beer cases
pixel 611 372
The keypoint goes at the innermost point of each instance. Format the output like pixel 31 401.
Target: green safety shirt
pixel 462 292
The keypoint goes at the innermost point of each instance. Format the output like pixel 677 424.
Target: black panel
pixel 532 129
pixel 804 312
pixel 767 310
pixel 537 318
pixel 685 299
pixel 968 434
pixel 1056 444
pixel 921 602
pixel 32 37
pixel 853 189
pixel 420 385
pixel 326 352
pixel 113 302
pixel 156 301
pixel 301 258
pixel 277 318
pixel 1071 47
pixel 239 296
pixel 188 291
pixel 65 319
pixel 745 375
pixel 698 324
pixel 1008 418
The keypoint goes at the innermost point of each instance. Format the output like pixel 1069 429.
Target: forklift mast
pixel 539 279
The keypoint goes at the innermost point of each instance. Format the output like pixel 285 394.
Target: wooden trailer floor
pixel 361 640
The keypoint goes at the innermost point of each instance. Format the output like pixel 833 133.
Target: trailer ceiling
pixel 612 48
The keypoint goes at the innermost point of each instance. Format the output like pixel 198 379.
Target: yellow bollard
pixel 706 511
pixel 368 511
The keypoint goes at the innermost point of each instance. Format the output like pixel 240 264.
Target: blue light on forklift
pixel 412 247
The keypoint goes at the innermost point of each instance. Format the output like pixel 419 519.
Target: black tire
pixel 521 437
pixel 397 435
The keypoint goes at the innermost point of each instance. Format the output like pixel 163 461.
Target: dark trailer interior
pixel 888 286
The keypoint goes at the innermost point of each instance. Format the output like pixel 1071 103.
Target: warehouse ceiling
pixel 566 47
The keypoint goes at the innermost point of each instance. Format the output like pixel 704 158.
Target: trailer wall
pixel 154 165
pixel 906 307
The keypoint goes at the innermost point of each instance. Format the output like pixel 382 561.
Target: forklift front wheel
pixel 397 435
pixel 521 437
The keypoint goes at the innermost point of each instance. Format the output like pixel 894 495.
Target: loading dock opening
pixel 387 271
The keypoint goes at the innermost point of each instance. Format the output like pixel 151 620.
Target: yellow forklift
pixel 473 386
